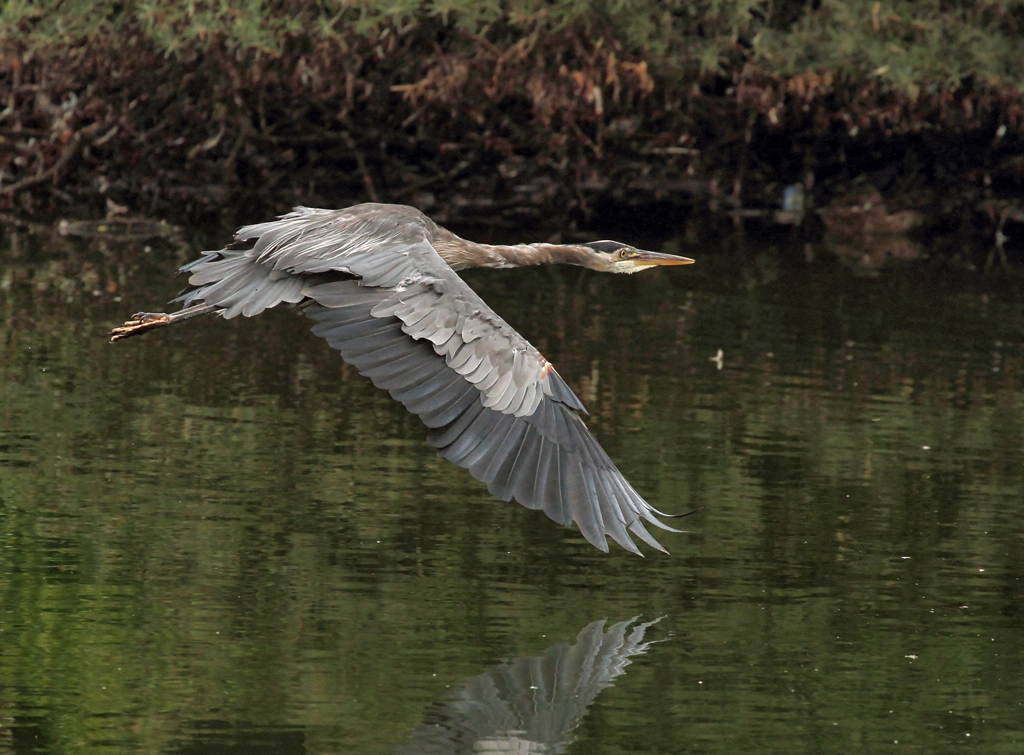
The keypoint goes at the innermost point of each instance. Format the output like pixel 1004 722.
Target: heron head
pixel 623 258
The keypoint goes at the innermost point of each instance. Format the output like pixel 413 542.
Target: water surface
pixel 219 538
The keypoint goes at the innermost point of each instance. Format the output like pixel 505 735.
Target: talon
pixel 140 323
pixel 145 317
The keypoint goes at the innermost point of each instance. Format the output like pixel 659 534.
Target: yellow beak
pixel 656 258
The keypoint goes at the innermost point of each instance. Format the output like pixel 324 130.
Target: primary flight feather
pixel 380 281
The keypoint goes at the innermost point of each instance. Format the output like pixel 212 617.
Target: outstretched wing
pixel 404 319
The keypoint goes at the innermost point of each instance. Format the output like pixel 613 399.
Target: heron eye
pixel 623 254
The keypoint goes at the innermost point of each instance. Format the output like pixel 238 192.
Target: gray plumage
pixel 531 704
pixel 380 282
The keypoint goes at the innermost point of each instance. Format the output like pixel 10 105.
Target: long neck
pixel 461 254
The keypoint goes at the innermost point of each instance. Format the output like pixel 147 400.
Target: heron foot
pixel 141 322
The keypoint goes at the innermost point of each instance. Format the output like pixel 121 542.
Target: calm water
pixel 219 539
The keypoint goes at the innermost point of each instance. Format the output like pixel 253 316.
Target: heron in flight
pixel 380 281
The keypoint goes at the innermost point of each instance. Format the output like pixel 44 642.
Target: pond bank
pixel 515 119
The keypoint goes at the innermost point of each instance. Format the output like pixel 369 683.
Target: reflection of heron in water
pixel 532 704
pixel 380 280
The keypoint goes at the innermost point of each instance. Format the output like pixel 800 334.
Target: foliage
pixel 398 95
pixel 911 43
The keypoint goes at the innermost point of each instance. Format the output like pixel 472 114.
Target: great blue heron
pixel 380 282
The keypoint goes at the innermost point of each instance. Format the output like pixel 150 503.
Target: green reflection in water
pixel 222 537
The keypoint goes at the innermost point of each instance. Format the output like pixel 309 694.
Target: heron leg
pixel 143 322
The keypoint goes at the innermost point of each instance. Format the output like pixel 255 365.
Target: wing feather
pixel 465 360
pixel 551 494
pixel 482 370
pixel 379 357
pixel 372 344
pixel 382 296
pixel 442 436
pixel 470 438
pixel 429 378
pixel 477 460
pixel 450 394
pixel 407 364
pixel 637 528
pixel 522 477
pixel 445 415
pixel 416 386
pixel 613 518
pixel 499 470
pixel 574 498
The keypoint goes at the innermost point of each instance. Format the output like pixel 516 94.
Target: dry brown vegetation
pixel 511 111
